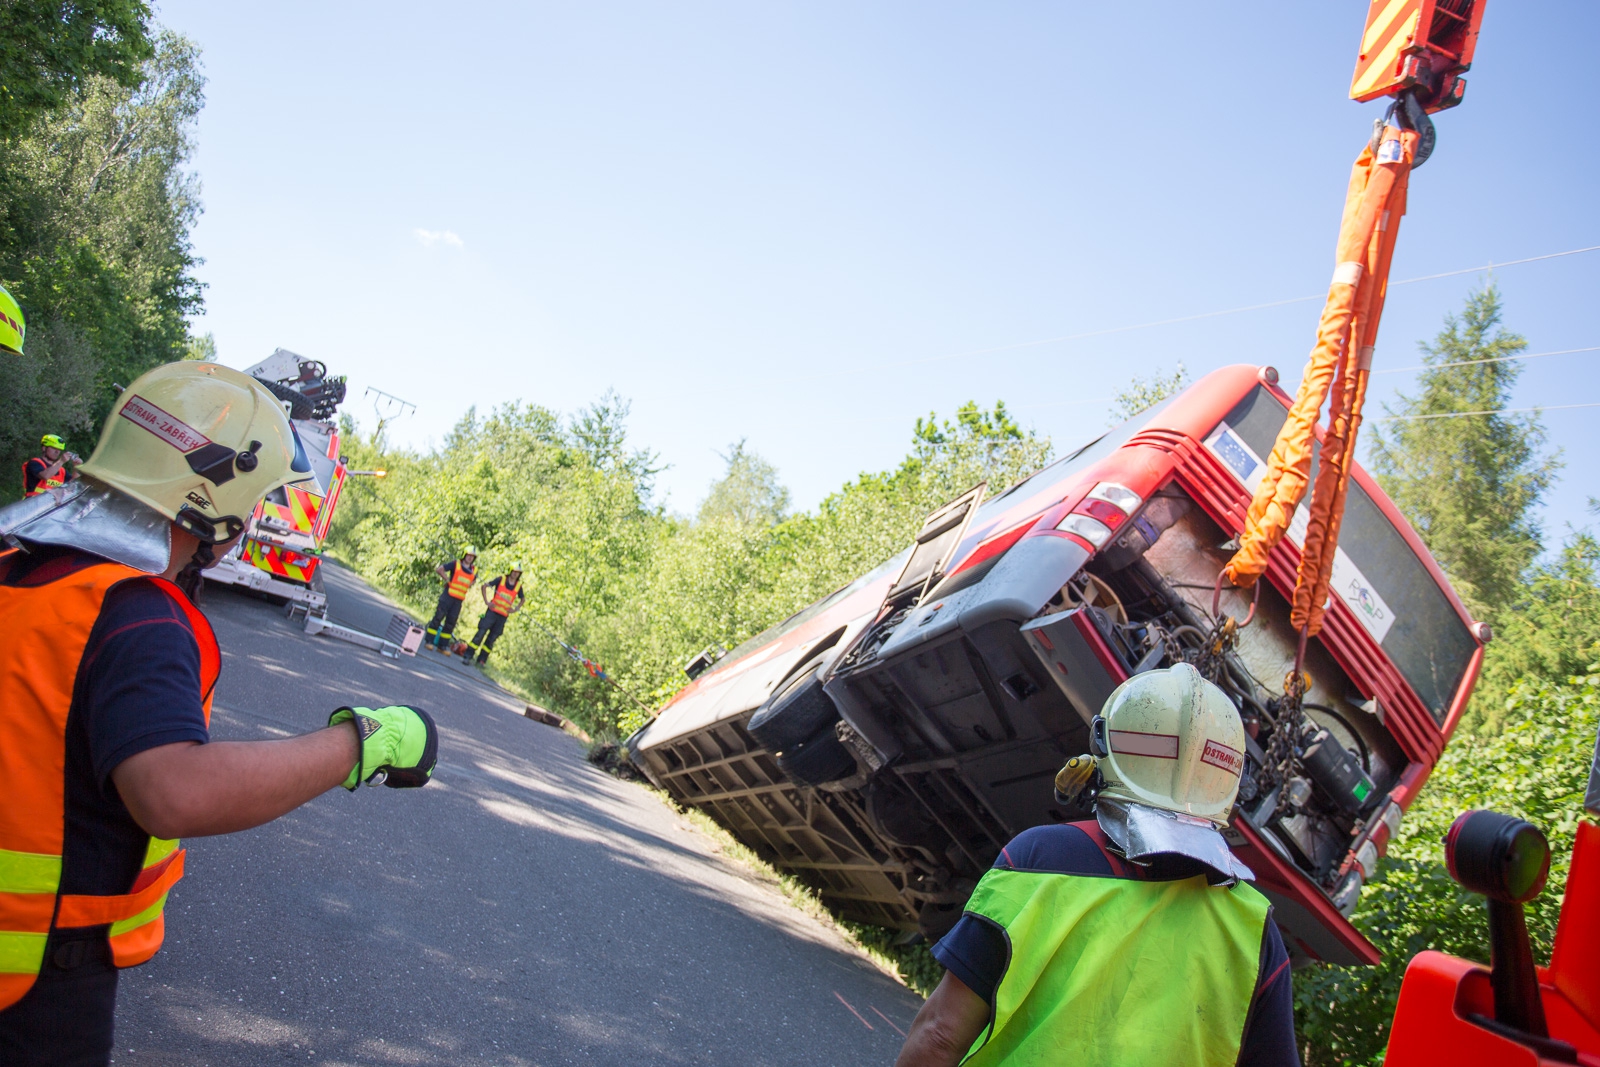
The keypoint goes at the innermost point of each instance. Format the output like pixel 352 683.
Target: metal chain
pixel 1280 749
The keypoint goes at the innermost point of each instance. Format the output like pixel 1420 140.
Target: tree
pixel 96 207
pixel 949 458
pixel 1142 394
pixel 202 348
pixel 50 48
pixel 1553 631
pixel 46 391
pixel 600 431
pixel 748 494
pixel 1469 483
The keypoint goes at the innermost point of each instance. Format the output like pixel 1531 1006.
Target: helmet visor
pixel 301 464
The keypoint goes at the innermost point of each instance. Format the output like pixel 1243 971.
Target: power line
pixel 1186 318
pixel 1492 359
pixel 1492 265
pixel 1497 411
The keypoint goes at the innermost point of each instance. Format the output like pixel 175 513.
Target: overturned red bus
pixel 887 740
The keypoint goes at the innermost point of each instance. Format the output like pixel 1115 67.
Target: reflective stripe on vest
pixel 55 481
pixel 1111 972
pixel 504 598
pixel 460 580
pixel 48 627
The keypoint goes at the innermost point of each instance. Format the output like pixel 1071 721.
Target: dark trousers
pixel 490 627
pixel 442 627
pixel 65 1020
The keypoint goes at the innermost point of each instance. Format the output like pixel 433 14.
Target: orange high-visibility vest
pixel 461 579
pixel 55 481
pixel 47 628
pixel 504 596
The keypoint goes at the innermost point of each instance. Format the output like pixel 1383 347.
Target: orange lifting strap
pixel 1340 364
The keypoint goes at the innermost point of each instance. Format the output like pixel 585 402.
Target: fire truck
pixel 280 554
pixel 887 741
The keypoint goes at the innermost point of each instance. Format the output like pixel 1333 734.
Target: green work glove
pixel 399 745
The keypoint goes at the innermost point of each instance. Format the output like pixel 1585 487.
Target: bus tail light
pixel 1126 500
pixel 1087 527
pixel 1106 507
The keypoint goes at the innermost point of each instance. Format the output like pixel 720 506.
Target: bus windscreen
pixel 1410 616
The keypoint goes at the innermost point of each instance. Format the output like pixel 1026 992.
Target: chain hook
pixel 1216 600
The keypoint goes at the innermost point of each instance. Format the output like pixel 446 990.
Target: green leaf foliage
pixel 96 206
pixel 641 591
pixel 1142 394
pixel 633 587
pixel 1536 768
pixel 50 48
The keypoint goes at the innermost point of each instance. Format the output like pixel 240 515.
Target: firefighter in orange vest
pixel 106 675
pixel 500 598
pixel 458 575
pixel 48 470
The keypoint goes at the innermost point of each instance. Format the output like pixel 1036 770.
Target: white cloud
pixel 429 238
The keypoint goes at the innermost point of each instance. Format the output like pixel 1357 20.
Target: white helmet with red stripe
pixel 1174 741
pixel 1170 750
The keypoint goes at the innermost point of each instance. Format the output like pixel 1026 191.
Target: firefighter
pixel 458 575
pixel 108 672
pixel 501 597
pixel 1132 938
pixel 48 470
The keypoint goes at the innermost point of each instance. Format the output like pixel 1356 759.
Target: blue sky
pixel 805 225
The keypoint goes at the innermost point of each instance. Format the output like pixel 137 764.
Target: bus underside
pixel 958 708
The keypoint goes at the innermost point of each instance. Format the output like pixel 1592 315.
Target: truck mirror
pixel 1507 860
pixel 1503 858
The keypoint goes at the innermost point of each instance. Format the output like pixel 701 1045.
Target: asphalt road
pixel 523 908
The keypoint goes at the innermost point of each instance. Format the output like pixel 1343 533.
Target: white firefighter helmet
pixel 1171 749
pixel 190 443
pixel 200 443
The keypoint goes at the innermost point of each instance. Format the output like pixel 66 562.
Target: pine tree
pixel 1469 483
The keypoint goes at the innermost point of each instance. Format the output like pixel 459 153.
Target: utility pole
pixel 387 407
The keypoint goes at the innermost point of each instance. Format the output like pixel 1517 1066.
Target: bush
pixel 1536 768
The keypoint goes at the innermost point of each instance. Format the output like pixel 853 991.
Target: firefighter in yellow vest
pixel 1131 939
pixel 106 675
pixel 458 575
pixel 500 598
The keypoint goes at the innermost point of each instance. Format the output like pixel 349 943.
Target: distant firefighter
pixel 458 575
pixel 502 596
pixel 48 470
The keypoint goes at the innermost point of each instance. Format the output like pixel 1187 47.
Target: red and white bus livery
pixel 886 741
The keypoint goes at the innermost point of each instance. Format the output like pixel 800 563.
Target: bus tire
pixel 821 759
pixel 796 712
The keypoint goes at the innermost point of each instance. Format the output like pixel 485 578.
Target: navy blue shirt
pixel 33 473
pixel 975 951
pixel 138 687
